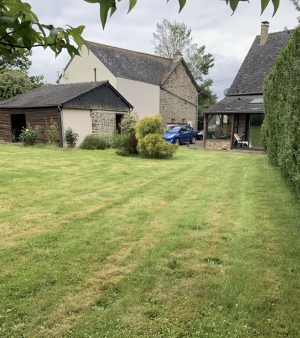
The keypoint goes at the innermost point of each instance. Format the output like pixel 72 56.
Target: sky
pixel 228 37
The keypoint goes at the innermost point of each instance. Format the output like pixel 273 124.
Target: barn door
pixel 18 121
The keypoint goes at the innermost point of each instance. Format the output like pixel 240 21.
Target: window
pixel 219 127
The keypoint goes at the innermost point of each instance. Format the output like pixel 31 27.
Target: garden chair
pixel 240 141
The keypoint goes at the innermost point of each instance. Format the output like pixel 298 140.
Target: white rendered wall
pixel 81 69
pixel 144 97
pixel 79 120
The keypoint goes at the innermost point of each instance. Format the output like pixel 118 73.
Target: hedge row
pixel 282 111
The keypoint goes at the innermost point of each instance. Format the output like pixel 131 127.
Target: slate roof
pixel 238 104
pixel 258 64
pixel 52 95
pixel 130 64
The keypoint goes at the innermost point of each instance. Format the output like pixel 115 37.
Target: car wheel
pixel 177 141
pixel 193 140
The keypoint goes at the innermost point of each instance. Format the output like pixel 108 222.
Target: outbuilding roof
pixel 258 64
pixel 55 95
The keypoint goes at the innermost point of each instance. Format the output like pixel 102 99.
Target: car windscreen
pixel 175 130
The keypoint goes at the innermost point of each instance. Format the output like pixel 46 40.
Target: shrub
pixel 71 137
pixel 128 123
pixel 154 146
pixel 149 125
pixel 109 138
pixel 29 135
pixel 126 144
pixel 52 133
pixel 92 142
pixel 149 132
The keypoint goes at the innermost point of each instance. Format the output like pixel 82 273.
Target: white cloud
pixel 227 37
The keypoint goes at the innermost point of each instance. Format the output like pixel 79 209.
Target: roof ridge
pixel 128 50
pixel 71 83
pixel 286 30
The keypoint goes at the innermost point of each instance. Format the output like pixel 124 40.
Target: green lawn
pixel 92 244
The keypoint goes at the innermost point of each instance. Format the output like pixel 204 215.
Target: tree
pixel 21 30
pixel 14 82
pixel 172 37
pixel 17 61
pixel 206 99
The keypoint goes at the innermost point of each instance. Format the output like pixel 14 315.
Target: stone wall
pixel 240 126
pixel 217 144
pixel 103 122
pixel 179 99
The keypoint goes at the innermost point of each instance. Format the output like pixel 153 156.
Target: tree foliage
pixel 206 99
pixel 282 111
pixel 14 82
pixel 172 37
pixel 17 61
pixel 21 30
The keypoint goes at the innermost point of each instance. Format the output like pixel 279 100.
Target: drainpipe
pixel 62 126
pixel 95 76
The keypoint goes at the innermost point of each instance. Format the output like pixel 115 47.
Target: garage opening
pixel 18 121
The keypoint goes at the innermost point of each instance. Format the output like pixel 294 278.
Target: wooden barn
pixel 87 108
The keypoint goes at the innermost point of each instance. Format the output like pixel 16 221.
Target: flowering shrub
pixel 29 135
pixel 71 137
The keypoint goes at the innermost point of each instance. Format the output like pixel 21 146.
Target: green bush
pixel 149 125
pixel 52 133
pixel 154 146
pixel 149 132
pixel 71 137
pixel 282 111
pixel 93 142
pixel 29 135
pixel 128 123
pixel 126 144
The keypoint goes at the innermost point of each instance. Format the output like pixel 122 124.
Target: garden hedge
pixel 282 111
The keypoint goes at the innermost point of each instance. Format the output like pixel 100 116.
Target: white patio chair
pixel 240 141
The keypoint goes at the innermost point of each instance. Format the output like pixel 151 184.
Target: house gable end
pixel 81 69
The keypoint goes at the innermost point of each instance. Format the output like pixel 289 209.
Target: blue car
pixel 180 135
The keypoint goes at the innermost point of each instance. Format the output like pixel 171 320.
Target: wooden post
pixel 232 132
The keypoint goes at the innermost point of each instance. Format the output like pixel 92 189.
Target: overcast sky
pixel 227 37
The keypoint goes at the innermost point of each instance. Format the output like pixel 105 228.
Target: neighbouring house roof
pixel 56 95
pixel 248 83
pixel 237 104
pixel 258 64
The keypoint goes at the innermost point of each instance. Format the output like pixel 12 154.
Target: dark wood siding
pixel 5 125
pixel 34 116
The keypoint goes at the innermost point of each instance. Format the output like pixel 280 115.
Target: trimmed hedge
pixel 282 111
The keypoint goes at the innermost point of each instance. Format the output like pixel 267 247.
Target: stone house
pixel 241 112
pixel 152 84
pixel 87 108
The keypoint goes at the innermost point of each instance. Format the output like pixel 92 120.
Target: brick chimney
pixel 264 32
pixel 177 56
